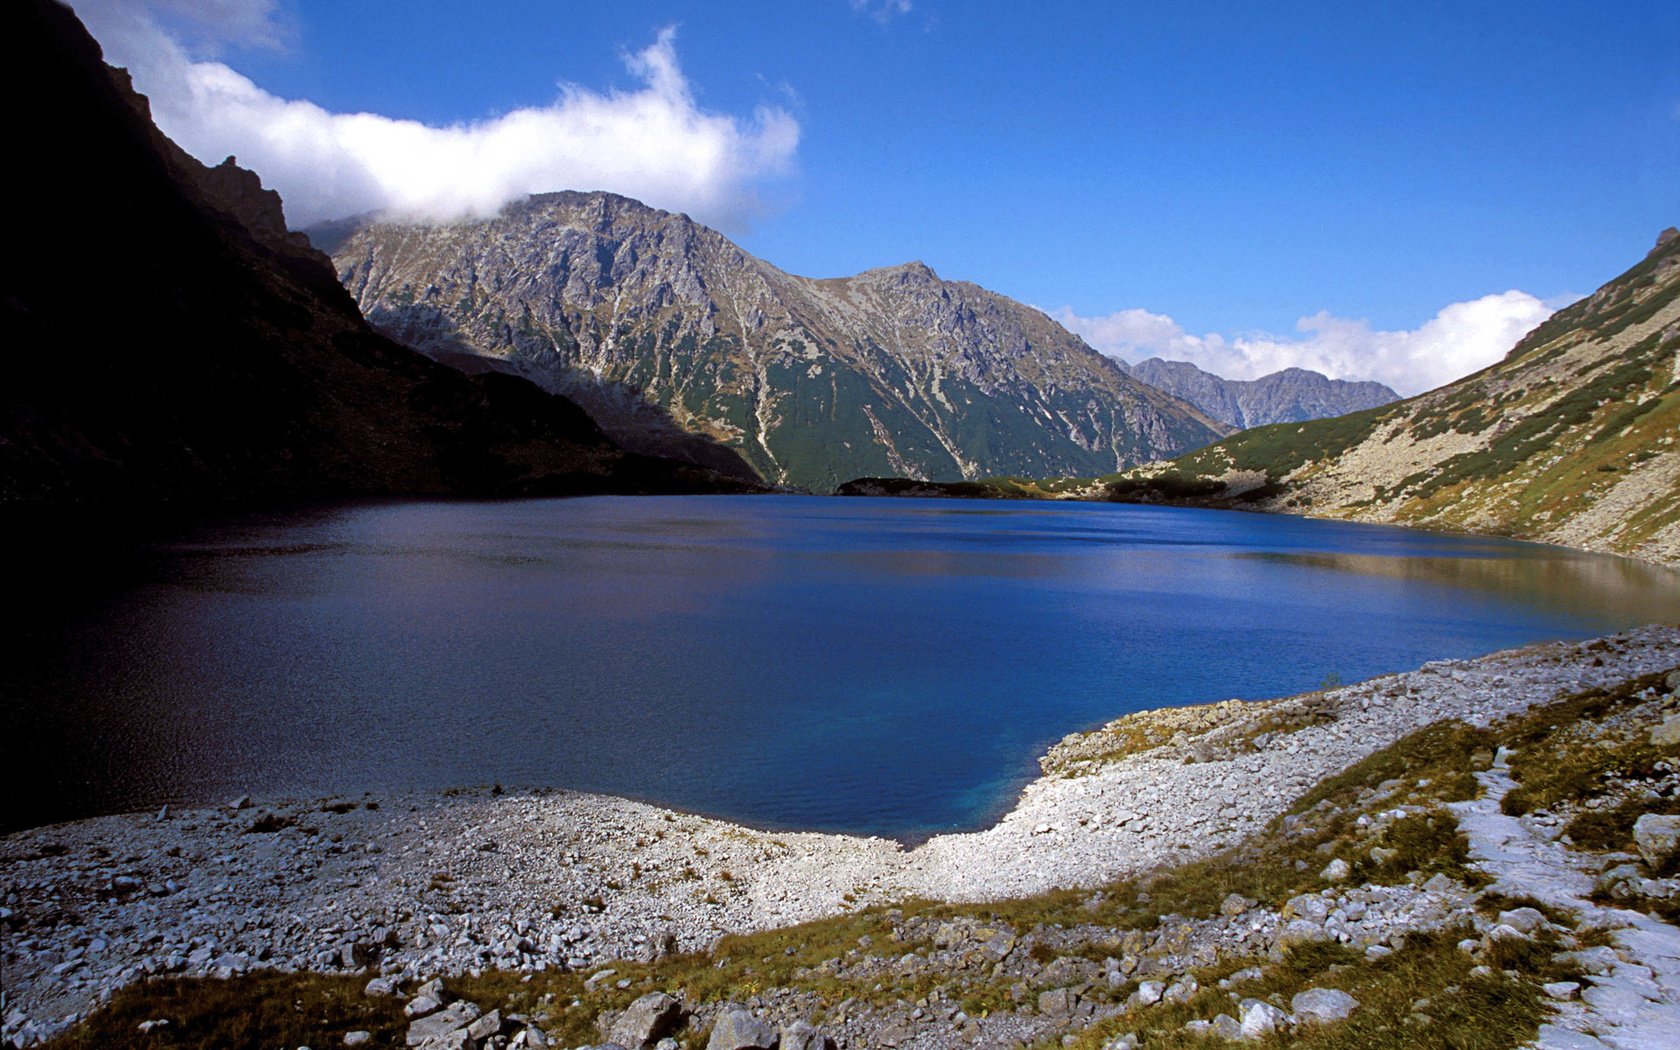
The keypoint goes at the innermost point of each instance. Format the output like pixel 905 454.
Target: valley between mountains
pixel 1477 853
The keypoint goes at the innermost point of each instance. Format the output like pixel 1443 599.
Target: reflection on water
pixel 1614 588
pixel 878 666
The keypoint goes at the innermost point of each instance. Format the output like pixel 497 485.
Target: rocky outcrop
pixel 1293 395
pixel 649 319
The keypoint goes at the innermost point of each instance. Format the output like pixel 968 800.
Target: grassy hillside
pixel 1570 439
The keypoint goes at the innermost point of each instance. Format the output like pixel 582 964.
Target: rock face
pixel 1293 395
pixel 166 340
pixel 1571 439
pixel 660 326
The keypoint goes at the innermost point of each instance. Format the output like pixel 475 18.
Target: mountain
pixel 1573 438
pixel 166 340
pixel 1293 395
pixel 653 322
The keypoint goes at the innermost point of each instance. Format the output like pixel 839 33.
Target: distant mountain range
pixel 167 341
pixel 661 327
pixel 1573 438
pixel 1293 395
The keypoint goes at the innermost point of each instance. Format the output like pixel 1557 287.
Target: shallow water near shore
pixel 887 667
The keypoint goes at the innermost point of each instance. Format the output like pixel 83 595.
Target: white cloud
pixel 882 11
pixel 653 143
pixel 1460 339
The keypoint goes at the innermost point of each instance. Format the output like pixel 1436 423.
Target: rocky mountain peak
pixel 642 314
pixel 1291 395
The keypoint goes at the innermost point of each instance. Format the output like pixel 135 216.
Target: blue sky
pixel 1196 178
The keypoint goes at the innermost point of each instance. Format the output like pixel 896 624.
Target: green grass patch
pixel 256 1012
pixel 1560 759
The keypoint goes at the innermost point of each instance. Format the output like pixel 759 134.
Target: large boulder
pixel 1260 1018
pixel 802 1035
pixel 646 1021
pixel 1668 733
pixel 738 1029
pixel 1322 1006
pixel 437 1026
pixel 1658 836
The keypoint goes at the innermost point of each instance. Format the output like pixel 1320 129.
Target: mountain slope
pixel 1570 439
pixel 643 315
pixel 166 340
pixel 1293 395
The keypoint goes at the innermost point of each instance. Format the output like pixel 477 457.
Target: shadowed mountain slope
pixel 167 341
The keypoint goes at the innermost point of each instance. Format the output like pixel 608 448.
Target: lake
pixel 888 667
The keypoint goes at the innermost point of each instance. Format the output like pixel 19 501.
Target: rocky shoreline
pixel 413 887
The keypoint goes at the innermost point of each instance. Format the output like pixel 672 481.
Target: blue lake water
pixel 888 667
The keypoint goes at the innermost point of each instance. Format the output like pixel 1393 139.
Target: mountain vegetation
pixel 663 328
pixel 1293 395
pixel 1570 439
pixel 167 341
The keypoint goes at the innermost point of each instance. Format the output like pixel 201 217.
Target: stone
pixel 456 1040
pixel 1181 991
pixel 802 1035
pixel 1523 920
pixel 1243 976
pixel 420 1006
pixel 1226 1027
pixel 1501 932
pixel 1561 990
pixel 485 1027
pixel 1234 904
pixel 380 986
pixel 1301 931
pixel 1378 951
pixel 1337 870
pixel 242 802
pixel 1438 883
pixel 1657 835
pixel 738 1029
pixel 1260 1018
pixel 358 1038
pixel 1668 733
pixel 1322 1006
pixel 1309 906
pixel 646 1021
pixel 1148 994
pixel 436 1026
pixel 1057 1002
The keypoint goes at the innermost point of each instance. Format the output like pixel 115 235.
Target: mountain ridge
pixel 1289 395
pixel 1572 438
pixel 892 369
